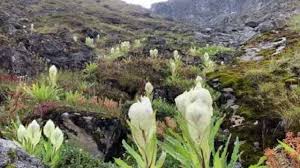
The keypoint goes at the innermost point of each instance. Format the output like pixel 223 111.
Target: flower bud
pixel 53 75
pixel 149 89
pixel 142 119
pixel 49 128
pixel 22 133
pixel 34 133
pixel 196 107
pixel 57 138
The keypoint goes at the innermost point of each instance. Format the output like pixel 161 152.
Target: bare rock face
pixel 230 21
pixel 13 156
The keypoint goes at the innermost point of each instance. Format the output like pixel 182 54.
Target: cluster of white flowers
pixel 29 137
pixel 137 44
pixel 125 46
pixel 53 75
pixel 54 134
pixel 153 53
pixel 89 42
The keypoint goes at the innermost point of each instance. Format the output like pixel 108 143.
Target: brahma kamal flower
pixel 148 89
pixel 49 128
pixel 196 107
pixel 142 121
pixel 53 75
pixel 199 81
pixel 22 134
pixel 34 133
pixel 57 138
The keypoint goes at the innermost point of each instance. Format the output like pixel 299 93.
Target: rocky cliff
pixel 240 18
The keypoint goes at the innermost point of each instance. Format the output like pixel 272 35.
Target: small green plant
pixel 45 90
pixel 73 97
pixel 163 108
pixel 174 65
pixel 90 70
pixel 208 64
pixel 75 157
pixel 42 92
pixel 48 149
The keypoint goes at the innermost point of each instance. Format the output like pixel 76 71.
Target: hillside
pixel 57 22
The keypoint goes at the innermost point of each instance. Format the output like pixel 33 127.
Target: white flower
pixel 57 138
pixel 125 46
pixel 173 67
pixel 199 81
pixel 34 133
pixel 112 50
pixel 49 128
pixel 53 75
pixel 148 88
pixel 154 53
pixel 22 133
pixel 142 119
pixel 176 55
pixel 196 107
pixel 75 38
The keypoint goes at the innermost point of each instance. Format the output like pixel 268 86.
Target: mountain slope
pixel 56 22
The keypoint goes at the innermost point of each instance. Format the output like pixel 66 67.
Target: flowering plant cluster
pixel 193 146
pixel 30 139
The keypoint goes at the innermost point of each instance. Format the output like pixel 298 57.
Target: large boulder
pixel 13 156
pixel 100 136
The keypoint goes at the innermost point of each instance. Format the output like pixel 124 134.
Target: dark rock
pixel 13 156
pixel 90 32
pixel 60 50
pixel 102 137
pixel 266 26
pixel 252 24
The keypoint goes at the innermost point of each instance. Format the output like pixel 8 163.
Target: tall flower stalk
pixel 142 124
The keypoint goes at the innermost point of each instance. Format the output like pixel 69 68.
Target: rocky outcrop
pixel 29 54
pixel 100 136
pixel 13 156
pixel 229 21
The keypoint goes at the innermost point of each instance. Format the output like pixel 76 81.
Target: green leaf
pixel 260 163
pixel 122 164
pixel 235 153
pixel 161 160
pixel 134 154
